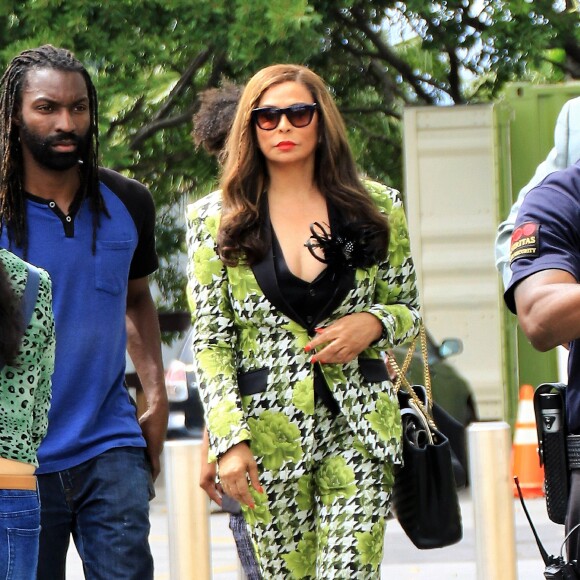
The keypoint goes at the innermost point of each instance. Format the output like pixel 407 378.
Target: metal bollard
pixel 492 494
pixel 188 512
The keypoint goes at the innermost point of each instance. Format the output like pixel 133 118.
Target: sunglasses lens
pixel 268 119
pixel 300 116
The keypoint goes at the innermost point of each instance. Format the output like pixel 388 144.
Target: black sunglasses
pixel 299 115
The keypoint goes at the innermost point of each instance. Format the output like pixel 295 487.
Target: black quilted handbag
pixel 425 497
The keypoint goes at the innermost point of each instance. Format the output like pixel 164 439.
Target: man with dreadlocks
pixel 92 230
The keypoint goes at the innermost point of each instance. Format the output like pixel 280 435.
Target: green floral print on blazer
pixel 256 381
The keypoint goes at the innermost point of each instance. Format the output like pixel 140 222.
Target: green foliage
pixel 151 59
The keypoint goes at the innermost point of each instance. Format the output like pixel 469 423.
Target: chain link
pixel 403 382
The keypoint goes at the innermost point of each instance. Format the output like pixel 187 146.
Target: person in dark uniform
pixel 545 294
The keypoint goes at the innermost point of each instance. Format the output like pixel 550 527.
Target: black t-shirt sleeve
pixel 139 203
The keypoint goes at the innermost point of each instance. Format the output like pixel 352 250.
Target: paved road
pixel 402 560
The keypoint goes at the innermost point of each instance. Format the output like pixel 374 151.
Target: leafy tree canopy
pixel 151 59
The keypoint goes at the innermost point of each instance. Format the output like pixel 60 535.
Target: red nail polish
pixel 319 330
pixel 313 360
pixel 307 348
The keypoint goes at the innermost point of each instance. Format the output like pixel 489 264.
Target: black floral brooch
pixel 349 245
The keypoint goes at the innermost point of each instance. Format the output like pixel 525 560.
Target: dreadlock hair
pixel 12 195
pixel 10 320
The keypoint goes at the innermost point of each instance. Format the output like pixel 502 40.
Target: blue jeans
pixel 19 530
pixel 244 546
pixel 104 504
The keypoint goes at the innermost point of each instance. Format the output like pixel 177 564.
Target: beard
pixel 41 149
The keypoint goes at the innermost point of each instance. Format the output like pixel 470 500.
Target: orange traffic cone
pixel 525 460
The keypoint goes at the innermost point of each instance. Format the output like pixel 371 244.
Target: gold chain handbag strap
pixel 403 382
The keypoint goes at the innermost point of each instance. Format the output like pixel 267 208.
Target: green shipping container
pixel 532 111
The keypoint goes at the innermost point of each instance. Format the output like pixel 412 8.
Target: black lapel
pixel 265 274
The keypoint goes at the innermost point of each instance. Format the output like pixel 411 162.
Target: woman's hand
pixel 236 466
pixel 343 340
pixel 207 480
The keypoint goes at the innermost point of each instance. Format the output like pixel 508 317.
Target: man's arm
pixel 144 347
pixel 548 308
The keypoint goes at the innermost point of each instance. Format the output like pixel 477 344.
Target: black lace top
pixel 306 299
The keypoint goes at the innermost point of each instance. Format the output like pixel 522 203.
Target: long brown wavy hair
pixel 245 177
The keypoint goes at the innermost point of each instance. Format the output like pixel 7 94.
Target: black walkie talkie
pixel 552 439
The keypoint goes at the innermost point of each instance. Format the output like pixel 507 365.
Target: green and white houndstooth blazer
pixel 255 379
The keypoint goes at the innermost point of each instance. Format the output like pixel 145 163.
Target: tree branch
pixel 369 111
pixel 131 114
pixel 388 84
pixel 144 133
pixel 385 53
pixel 195 64
pixel 454 78
pixel 377 136
pixel 159 121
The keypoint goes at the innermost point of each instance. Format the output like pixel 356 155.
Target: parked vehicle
pixel 450 389
pixel 185 408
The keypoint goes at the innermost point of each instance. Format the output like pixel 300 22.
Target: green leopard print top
pixel 25 388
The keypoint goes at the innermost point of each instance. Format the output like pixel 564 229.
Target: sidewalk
pixel 402 561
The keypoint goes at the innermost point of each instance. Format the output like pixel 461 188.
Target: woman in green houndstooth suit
pixel 300 274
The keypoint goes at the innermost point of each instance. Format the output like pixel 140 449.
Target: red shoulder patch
pixel 525 241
